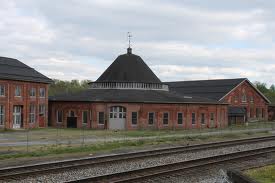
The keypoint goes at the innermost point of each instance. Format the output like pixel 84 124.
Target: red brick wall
pixel 259 102
pixel 9 100
pixel 220 114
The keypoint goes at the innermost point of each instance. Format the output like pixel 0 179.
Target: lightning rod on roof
pixel 129 49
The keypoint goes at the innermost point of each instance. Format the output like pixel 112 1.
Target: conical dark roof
pixel 129 68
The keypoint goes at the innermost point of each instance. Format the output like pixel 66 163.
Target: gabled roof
pixel 13 69
pixel 214 89
pixel 130 96
pixel 129 68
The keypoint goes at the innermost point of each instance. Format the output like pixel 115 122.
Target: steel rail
pixel 162 170
pixel 43 168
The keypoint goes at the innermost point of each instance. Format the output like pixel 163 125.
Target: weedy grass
pixel 264 174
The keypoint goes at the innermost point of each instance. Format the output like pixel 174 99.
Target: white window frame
pixel 57 116
pixel 87 113
pixel 100 112
pixel 32 92
pixel 132 118
pixel 42 92
pixel 2 90
pixel 17 115
pixel 32 111
pixel 244 98
pixel 18 91
pixel 202 114
pixel 42 109
pixel 167 118
pixel 194 118
pixel 149 118
pixel 251 99
pixel 2 115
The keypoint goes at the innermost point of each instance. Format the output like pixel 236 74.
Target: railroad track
pixel 16 173
pixel 168 169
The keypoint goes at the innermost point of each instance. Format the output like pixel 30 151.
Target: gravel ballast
pixel 74 174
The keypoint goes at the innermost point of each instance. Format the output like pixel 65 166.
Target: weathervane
pixel 129 39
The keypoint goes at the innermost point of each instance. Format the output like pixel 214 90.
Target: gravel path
pixel 142 163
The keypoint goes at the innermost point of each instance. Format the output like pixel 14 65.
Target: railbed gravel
pixel 73 174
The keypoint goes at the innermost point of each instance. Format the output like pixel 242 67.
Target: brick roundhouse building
pixel 23 95
pixel 128 95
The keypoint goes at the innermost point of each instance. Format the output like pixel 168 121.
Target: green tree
pixel 63 87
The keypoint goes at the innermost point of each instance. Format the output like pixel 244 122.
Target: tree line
pixel 269 92
pixel 73 86
pixel 59 86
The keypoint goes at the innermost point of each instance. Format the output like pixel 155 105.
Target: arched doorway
pixel 117 118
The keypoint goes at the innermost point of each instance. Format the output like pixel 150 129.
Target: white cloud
pixel 179 40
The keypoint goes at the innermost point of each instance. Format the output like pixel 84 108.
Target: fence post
pixel 28 140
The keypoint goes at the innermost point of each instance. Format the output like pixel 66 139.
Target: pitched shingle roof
pixel 13 69
pixel 129 68
pixel 130 96
pixel 213 89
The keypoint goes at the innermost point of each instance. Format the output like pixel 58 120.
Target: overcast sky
pixel 179 40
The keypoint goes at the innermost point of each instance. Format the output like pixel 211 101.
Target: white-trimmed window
pixel 101 118
pixel 42 92
pixel 180 118
pixel 202 118
pixel 251 99
pixel 59 116
pixel 18 91
pixel 134 118
pixel 193 118
pixel 2 90
pixel 84 117
pixel 151 118
pixel 165 119
pixel 32 113
pixel 244 97
pixel 2 114
pixel 32 92
pixel 42 109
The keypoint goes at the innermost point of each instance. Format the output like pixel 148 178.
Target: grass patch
pixel 47 150
pixel 264 174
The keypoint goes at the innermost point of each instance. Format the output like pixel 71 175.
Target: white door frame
pixel 117 118
pixel 17 116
